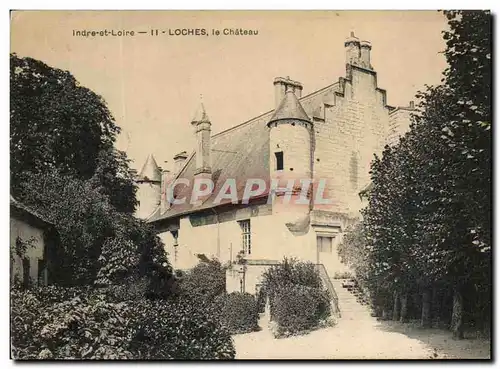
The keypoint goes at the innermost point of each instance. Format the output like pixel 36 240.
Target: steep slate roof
pixel 150 170
pixel 240 153
pixel 290 108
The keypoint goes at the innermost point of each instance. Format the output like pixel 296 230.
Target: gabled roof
pixel 290 108
pixel 150 170
pixel 21 211
pixel 240 153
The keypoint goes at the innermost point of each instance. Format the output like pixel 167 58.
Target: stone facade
pixel 331 134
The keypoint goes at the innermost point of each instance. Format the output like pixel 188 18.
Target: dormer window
pixel 279 160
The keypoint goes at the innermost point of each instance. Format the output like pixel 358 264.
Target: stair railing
pixel 331 290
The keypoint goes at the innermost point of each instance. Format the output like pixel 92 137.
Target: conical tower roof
pixel 201 115
pixel 150 170
pixel 290 108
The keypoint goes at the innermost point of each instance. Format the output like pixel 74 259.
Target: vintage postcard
pixel 215 185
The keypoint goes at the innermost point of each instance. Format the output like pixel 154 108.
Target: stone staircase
pixel 353 304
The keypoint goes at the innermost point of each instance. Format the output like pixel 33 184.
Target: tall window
pixel 324 244
pixel 246 237
pixel 279 160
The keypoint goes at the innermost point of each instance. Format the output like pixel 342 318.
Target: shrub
pixel 204 282
pixel 297 298
pixel 92 324
pixel 292 272
pixel 81 326
pixel 297 309
pixel 180 330
pixel 238 312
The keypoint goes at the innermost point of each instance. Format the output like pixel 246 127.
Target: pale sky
pixel 152 84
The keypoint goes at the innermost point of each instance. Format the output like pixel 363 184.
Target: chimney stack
pixel 412 104
pixel 202 127
pixel 179 160
pixel 366 47
pixel 353 50
pixel 282 85
pixel 166 178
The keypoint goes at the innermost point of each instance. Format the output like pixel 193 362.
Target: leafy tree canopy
pixel 58 124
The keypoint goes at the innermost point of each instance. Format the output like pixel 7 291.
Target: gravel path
pixel 360 339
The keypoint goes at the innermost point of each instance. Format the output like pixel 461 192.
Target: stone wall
pixel 220 236
pixel 399 124
pixel 351 122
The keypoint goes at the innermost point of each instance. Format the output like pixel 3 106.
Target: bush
pixel 297 309
pixel 91 324
pixel 292 272
pixel 297 298
pixel 180 330
pixel 238 312
pixel 82 326
pixel 204 282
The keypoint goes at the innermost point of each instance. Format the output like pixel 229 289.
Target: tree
pixel 55 123
pixel 98 244
pixel 428 222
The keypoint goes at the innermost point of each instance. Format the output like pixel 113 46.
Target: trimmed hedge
pixel 298 309
pixel 91 324
pixel 238 312
pixel 298 300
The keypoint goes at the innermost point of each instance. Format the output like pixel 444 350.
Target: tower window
pixel 279 160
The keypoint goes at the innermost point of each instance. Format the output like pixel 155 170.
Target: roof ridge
pixel 270 111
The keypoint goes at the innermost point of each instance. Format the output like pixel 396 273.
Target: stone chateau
pixel 330 134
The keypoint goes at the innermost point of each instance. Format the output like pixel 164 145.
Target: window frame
pixel 246 236
pixel 320 244
pixel 279 158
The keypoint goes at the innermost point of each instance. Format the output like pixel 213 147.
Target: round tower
pixel 290 156
pixel 148 188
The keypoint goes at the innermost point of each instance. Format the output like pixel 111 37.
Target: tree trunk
pixel 436 304
pixel 426 309
pixel 404 308
pixel 457 315
pixel 385 314
pixel 396 308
